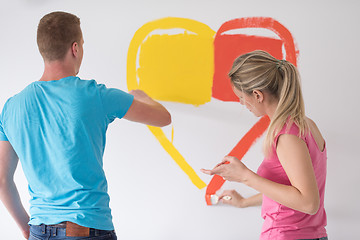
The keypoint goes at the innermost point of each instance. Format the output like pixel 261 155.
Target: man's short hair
pixel 56 32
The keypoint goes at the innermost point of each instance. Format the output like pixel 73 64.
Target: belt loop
pixel 43 228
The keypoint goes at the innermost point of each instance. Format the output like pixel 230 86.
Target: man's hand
pixel 140 95
pixel 9 194
pixel 146 110
pixel 26 232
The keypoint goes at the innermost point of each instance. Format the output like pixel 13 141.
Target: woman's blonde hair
pixel 258 70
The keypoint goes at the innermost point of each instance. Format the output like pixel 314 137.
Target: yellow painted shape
pixel 175 154
pixel 176 68
pixel 172 134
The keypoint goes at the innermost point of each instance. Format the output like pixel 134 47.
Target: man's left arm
pixel 9 194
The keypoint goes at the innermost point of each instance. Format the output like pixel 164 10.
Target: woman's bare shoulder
pixel 316 133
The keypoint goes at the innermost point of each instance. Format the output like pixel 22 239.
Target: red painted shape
pixel 225 56
pixel 238 151
pixel 227 48
pixel 250 137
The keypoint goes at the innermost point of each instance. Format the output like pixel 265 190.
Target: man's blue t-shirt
pixel 58 129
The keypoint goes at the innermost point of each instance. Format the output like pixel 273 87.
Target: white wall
pixel 151 197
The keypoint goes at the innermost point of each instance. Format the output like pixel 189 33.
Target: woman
pixel 291 179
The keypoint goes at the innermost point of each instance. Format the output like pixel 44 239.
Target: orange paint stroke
pixel 229 46
pixel 267 23
pixel 238 151
pixel 221 86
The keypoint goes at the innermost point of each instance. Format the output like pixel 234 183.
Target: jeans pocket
pixel 33 237
pixel 108 236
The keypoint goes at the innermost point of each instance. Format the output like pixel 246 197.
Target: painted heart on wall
pixel 182 60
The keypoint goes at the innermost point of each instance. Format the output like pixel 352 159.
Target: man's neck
pixel 57 70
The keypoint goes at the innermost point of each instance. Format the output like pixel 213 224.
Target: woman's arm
pixel 237 200
pixel 301 195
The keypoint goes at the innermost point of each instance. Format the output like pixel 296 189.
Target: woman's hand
pixel 233 198
pixel 231 169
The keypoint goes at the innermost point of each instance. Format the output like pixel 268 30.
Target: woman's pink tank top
pixel 285 223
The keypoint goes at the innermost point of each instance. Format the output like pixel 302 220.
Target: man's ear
pixel 259 96
pixel 75 49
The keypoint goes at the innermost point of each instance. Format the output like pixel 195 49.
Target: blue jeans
pixel 323 238
pixel 45 232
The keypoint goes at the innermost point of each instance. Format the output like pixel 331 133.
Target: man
pixel 56 127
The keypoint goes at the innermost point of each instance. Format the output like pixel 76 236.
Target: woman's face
pixel 249 101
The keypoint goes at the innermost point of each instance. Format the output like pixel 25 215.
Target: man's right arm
pixel 8 192
pixel 148 111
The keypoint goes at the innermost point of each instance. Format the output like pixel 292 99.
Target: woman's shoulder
pixel 315 132
pixel 310 122
pixel 313 127
pixel 291 128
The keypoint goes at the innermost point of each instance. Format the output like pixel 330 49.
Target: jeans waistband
pixel 60 230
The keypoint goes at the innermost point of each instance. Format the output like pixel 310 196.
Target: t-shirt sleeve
pixel 2 133
pixel 115 102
